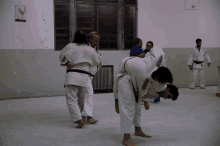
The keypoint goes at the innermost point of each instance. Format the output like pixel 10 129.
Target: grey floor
pixel 192 120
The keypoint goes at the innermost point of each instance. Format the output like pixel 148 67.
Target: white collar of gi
pixel 163 88
pixel 160 86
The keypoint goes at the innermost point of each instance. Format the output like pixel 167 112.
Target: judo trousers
pixel 194 76
pixel 79 101
pixel 218 90
pixel 129 109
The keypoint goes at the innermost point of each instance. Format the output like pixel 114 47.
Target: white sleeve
pixel 62 57
pixel 156 57
pixel 163 62
pixel 119 74
pixel 207 59
pixel 150 95
pixel 191 60
pixel 63 53
pixel 115 88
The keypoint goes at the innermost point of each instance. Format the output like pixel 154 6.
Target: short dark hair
pixel 136 41
pixel 80 37
pixel 173 90
pixel 163 74
pixel 198 40
pixel 151 43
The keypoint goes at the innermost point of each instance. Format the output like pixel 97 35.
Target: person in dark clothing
pixel 136 50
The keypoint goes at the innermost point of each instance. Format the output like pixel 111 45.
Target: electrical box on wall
pixel 20 13
pixel 192 4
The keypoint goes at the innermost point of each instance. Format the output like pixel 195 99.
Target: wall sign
pixel 192 4
pixel 20 13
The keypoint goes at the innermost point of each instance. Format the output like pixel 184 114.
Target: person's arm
pixel 115 86
pixel 69 65
pixel 190 60
pixel 145 84
pixel 160 61
pixel 119 73
pixel 207 59
pixel 153 57
pixel 163 64
pixel 147 93
pixel 141 55
pixel 62 56
pixel 152 89
pixel 150 95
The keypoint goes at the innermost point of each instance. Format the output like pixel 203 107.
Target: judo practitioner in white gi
pixel 139 78
pixel 93 40
pixel 218 90
pixel 196 64
pixel 78 79
pixel 150 48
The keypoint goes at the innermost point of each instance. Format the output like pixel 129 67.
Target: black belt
pixel 198 62
pixel 136 94
pixel 79 71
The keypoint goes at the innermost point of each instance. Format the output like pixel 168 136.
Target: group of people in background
pixel 140 77
pixel 139 52
pixel 195 62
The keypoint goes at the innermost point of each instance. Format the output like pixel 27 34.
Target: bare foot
pixel 128 142
pixel 91 120
pixel 80 124
pixel 141 133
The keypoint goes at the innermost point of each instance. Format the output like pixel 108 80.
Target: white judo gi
pixel 87 106
pixel 198 56
pixel 128 87
pixel 78 86
pixel 156 52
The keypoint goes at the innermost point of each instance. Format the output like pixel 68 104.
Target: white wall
pixel 37 70
pixel 166 23
pixel 36 33
pixel 169 25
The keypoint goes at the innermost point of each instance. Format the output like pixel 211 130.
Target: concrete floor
pixel 192 120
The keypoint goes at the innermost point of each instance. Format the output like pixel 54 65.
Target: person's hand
pixel 190 67
pixel 141 55
pixel 146 105
pixel 116 107
pixel 70 65
pixel 63 64
pixel 209 64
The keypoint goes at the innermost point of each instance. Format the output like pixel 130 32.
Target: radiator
pixel 103 79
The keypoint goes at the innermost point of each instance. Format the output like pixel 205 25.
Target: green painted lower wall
pixel 37 72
